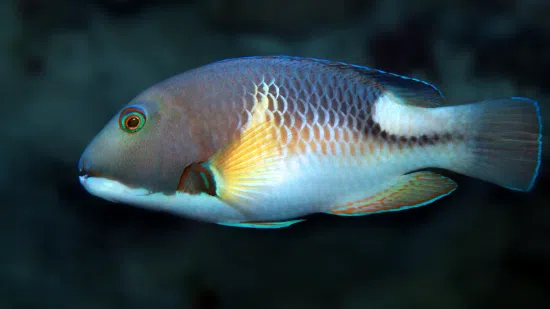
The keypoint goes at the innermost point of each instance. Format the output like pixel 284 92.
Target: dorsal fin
pixel 411 91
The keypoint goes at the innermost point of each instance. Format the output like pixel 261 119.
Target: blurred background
pixel 67 66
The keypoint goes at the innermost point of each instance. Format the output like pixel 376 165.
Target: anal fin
pixel 411 190
pixel 262 225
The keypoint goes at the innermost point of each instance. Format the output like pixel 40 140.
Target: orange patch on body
pixel 311 137
pixel 371 147
pixel 326 140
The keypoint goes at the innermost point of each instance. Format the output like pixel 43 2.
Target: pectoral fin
pixel 244 169
pixel 263 225
pixel 411 190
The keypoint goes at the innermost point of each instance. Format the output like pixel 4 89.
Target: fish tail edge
pixel 505 142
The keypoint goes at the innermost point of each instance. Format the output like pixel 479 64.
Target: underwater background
pixel 67 66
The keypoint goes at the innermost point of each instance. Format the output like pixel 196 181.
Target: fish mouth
pixel 108 188
pixel 84 173
pixel 83 176
pixel 88 179
pixel 85 170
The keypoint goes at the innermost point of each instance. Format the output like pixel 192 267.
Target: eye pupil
pixel 132 122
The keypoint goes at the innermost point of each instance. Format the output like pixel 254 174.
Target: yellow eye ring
pixel 132 119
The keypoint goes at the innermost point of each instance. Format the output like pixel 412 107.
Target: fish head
pixel 140 151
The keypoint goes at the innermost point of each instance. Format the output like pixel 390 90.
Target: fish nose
pixel 84 167
pixel 81 167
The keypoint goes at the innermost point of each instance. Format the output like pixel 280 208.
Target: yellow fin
pixel 411 190
pixel 248 165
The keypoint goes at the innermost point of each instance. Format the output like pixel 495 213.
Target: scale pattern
pixel 325 112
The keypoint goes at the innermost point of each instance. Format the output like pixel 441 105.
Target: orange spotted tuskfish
pixel 264 141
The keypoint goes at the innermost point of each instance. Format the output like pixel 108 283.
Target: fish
pixel 265 141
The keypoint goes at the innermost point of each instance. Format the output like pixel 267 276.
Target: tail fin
pixel 505 142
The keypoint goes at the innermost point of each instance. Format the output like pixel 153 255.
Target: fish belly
pixel 316 184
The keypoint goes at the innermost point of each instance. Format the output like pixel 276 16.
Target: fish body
pixel 263 141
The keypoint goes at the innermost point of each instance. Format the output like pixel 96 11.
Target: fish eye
pixel 132 119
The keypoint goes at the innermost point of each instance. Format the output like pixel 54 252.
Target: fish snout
pixel 84 167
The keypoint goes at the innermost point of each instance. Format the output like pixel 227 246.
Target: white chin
pixel 202 206
pixel 111 190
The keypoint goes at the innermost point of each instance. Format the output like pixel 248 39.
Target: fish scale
pixel 309 129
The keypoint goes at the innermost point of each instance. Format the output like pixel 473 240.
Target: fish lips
pixel 85 174
pixel 106 187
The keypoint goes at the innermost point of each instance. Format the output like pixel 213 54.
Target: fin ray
pixel 504 144
pixel 411 91
pixel 248 165
pixel 411 190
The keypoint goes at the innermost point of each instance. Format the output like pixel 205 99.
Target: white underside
pixel 305 185
pixel 302 191
pixel 200 207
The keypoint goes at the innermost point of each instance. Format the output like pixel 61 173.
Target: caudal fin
pixel 504 143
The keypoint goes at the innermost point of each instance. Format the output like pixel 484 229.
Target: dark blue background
pixel 67 66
